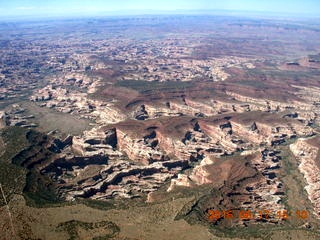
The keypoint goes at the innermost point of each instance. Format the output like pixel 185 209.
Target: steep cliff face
pixel 307 152
pixel 94 141
pixel 136 156
pixel 173 146
pixel 144 150
pixel 183 108
pixel 208 109
pixel 203 107
pixel 160 111
pixel 220 133
pixel 69 101
pixel 252 132
pixel 2 119
pixel 190 139
pixel 305 103
pixel 250 181
pixel 159 144
pixel 95 165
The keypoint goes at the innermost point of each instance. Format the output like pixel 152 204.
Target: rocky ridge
pixel 307 152
pixel 127 160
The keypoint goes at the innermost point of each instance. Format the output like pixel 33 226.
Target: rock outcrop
pixel 307 152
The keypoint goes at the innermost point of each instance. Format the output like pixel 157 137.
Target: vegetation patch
pixel 12 177
pixel 100 230
pixel 143 86
pixel 15 141
pixel 255 84
pixel 39 191
pixel 22 145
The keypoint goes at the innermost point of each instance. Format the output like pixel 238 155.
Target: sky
pixel 12 8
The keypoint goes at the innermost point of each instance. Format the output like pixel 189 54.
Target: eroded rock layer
pixel 133 157
pixel 308 153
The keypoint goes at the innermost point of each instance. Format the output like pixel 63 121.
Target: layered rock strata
pixel 307 151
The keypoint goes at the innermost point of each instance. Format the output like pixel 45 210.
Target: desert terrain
pixel 160 127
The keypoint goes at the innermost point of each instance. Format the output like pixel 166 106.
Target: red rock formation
pixel 308 153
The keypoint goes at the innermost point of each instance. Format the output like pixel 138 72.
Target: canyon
pixel 124 114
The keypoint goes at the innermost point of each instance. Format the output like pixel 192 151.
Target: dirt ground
pixel 153 221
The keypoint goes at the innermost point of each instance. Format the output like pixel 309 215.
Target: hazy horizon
pixel 72 8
